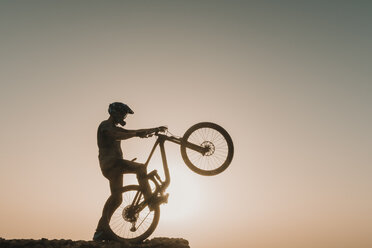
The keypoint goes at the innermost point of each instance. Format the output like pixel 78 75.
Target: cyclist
pixel 112 164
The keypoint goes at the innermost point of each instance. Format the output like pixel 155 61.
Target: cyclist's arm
pixel 122 134
pixel 144 132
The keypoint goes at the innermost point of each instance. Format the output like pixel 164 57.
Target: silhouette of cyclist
pixel 112 164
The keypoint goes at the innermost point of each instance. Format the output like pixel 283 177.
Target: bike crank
pixel 134 228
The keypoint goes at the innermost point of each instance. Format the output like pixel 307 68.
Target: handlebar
pixel 168 135
pixel 152 134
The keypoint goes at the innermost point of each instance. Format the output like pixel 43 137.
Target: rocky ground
pixel 62 243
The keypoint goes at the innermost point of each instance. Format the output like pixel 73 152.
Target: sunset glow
pixel 289 81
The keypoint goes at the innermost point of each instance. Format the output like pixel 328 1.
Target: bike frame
pixel 160 188
pixel 160 141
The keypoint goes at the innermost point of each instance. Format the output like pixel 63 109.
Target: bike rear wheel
pixel 121 222
pixel 219 144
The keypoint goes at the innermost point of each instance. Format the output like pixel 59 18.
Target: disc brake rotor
pixel 210 146
pixel 130 214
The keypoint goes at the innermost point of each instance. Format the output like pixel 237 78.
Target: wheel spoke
pixel 219 155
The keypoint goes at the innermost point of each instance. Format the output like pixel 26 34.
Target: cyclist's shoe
pixel 156 201
pixel 100 235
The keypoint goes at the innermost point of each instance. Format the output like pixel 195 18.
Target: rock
pixel 165 243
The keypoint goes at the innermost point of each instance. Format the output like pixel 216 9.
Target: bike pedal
pixel 165 199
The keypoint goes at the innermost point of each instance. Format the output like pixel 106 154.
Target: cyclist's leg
pixel 139 169
pixel 115 176
pixel 116 183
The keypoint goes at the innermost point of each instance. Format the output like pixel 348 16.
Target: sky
pixel 289 80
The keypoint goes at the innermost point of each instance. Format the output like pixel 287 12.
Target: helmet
pixel 119 108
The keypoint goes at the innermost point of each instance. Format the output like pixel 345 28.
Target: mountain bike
pixel 206 149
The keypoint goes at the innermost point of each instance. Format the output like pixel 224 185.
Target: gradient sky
pixel 289 80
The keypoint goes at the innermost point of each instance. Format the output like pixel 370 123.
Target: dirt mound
pixel 63 243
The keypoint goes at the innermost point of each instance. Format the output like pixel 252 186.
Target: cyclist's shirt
pixel 109 147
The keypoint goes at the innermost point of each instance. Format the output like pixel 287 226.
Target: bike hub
pixel 210 146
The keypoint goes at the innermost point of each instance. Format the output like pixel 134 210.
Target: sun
pixel 185 196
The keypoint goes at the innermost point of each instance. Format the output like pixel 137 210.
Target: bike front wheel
pixel 128 223
pixel 220 148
